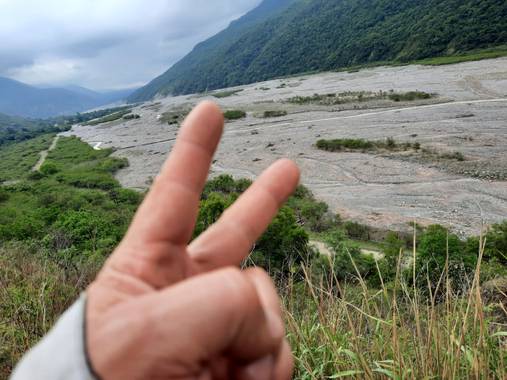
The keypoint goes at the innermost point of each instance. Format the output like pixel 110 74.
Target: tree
pixel 441 253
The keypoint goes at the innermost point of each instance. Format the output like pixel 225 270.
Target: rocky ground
pixel 387 190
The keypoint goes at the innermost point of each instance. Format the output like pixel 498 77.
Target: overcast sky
pixel 105 44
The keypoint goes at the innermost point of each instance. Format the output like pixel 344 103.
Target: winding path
pixel 44 154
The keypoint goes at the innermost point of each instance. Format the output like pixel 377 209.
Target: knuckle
pixel 240 291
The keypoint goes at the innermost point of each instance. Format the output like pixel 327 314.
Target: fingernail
pixel 261 369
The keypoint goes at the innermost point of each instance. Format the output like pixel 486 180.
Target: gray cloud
pixel 105 44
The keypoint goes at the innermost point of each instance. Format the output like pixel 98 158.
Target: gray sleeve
pixel 60 355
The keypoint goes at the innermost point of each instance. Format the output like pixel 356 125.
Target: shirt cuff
pixel 61 354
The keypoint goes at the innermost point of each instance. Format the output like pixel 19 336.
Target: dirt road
pixel 44 154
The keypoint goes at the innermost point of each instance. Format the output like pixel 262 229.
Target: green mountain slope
pixel 307 35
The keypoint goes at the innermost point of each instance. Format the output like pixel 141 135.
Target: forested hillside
pixel 15 129
pixel 293 36
pixel 18 129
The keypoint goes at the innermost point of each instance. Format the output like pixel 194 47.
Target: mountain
pixel 210 50
pixel 288 37
pixel 19 99
pixel 101 97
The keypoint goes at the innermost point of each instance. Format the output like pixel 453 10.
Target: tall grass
pixel 343 330
pixel 34 292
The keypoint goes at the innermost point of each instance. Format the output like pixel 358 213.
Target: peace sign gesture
pixel 162 308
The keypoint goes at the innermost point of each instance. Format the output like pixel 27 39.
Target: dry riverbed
pixel 382 189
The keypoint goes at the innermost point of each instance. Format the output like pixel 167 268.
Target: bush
pixel 226 94
pixel 88 180
pixel 495 244
pixel 49 168
pixel 131 116
pixel 390 144
pixel 210 209
pixel 340 144
pixel 234 114
pixel 283 245
pixel 110 117
pixel 113 164
pixel 357 231
pixel 437 248
pixel 409 96
pixel 225 184
pixel 35 176
pixel 347 264
pixel 4 195
pixel 268 114
pixel 309 212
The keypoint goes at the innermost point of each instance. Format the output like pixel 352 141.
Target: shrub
pixel 268 114
pixel 131 116
pixel 310 213
pixel 226 94
pixel 4 195
pixel 409 96
pixel 347 263
pixel 225 184
pixel 340 144
pixel 49 168
pixel 439 251
pixel 113 164
pixel 234 114
pixel 210 209
pixel 88 180
pixel 110 117
pixel 283 245
pixel 495 244
pixel 35 176
pixel 458 156
pixel 357 231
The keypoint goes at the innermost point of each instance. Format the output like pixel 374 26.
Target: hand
pixel 162 308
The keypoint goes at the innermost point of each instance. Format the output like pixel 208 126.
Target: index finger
pixel 230 239
pixel 169 211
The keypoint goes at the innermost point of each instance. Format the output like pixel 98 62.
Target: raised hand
pixel 162 308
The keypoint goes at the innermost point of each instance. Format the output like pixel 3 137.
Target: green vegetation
pixel 478 55
pixel 117 114
pixel 338 145
pixel 234 114
pixel 275 113
pixel 317 35
pixel 458 156
pixel 74 208
pixel 409 96
pixel 14 129
pixel 35 291
pixel 131 116
pixel 347 314
pixel 174 116
pixel 226 94
pixel 339 330
pixel 359 96
pixel 16 160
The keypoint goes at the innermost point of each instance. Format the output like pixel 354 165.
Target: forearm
pixel 61 354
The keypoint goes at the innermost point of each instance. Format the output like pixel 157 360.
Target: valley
pixel 383 189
